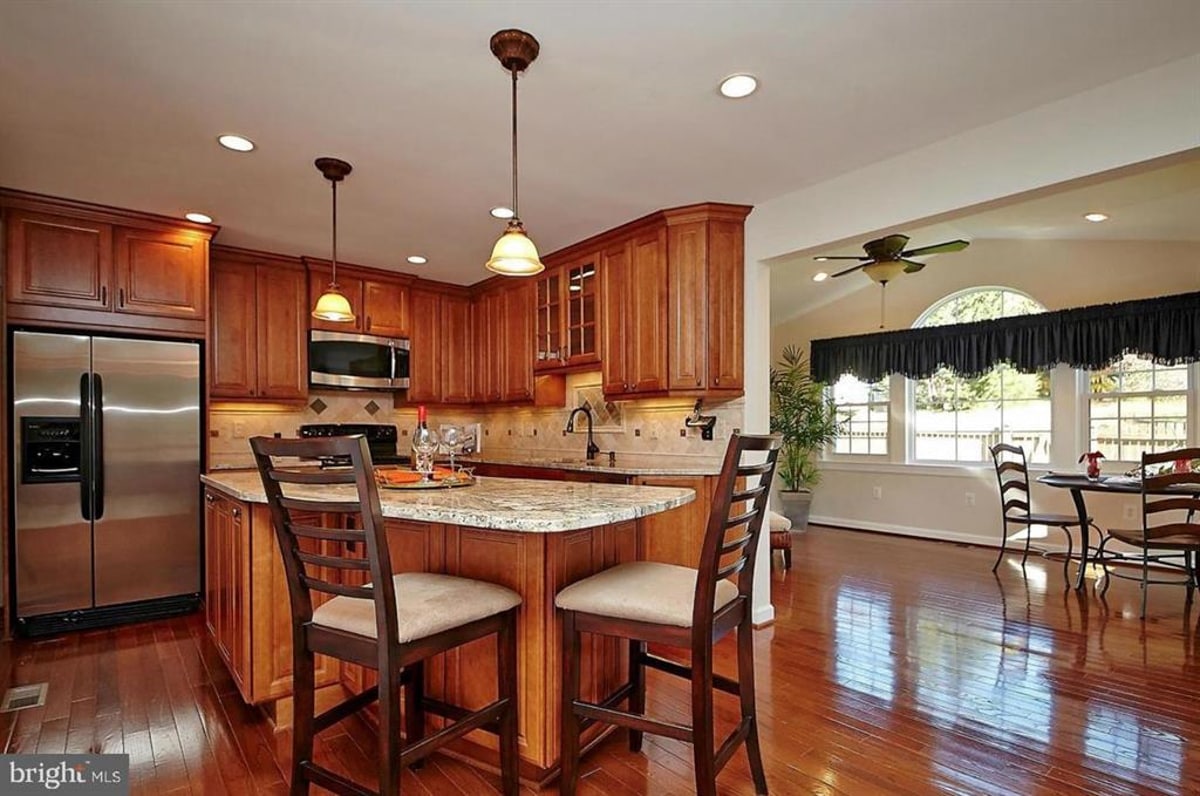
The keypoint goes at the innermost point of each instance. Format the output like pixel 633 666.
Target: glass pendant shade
pixel 333 306
pixel 514 253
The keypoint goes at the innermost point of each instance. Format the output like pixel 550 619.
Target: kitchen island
pixel 535 537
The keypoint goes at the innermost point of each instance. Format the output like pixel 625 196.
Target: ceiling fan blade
pixel 823 257
pixel 912 266
pixel 937 248
pixel 849 270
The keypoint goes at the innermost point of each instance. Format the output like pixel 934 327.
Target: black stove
pixel 381 439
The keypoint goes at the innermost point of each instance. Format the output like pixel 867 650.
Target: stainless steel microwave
pixel 342 361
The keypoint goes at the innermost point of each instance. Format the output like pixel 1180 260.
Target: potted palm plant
pixel 807 421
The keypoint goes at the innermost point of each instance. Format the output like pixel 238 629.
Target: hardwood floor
pixel 896 666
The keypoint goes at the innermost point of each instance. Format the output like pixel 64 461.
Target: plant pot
pixel 795 506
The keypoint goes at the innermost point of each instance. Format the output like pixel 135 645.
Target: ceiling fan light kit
pixel 886 258
pixel 514 253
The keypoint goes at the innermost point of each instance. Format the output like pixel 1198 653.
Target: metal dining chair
pixel 1012 475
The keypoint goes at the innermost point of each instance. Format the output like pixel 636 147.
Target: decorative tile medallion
pixel 372 408
pixel 318 406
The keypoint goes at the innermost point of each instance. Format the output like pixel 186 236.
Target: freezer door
pixel 147 525
pixel 53 540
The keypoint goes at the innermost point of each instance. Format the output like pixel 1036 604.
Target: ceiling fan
pixel 886 258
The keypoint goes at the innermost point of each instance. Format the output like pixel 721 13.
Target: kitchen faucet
pixel 592 447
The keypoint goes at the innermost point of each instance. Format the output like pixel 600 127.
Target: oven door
pixel 357 361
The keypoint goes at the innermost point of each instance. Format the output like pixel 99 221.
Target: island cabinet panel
pixel 676 536
pixel 226 586
pixel 258 335
pixel 271 615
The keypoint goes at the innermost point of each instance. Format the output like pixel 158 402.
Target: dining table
pixel 1078 483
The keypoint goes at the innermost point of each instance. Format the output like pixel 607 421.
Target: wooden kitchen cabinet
pixel 456 349
pixel 634 279
pixel 380 301
pixel 488 310
pixel 226 582
pixel 258 347
pixel 706 311
pixel 84 266
pixel 567 315
pixel 676 536
pixel 161 273
pixel 517 347
pixel 246 605
pixel 504 348
pixel 425 352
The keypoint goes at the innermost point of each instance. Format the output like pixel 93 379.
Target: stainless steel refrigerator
pixel 105 479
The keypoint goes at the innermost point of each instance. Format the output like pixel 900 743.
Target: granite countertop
pixel 510 504
pixel 631 464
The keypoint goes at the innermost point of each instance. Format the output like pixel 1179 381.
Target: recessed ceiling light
pixel 199 218
pixel 236 142
pixel 501 212
pixel 820 276
pixel 738 86
pixel 820 259
pixel 417 259
pixel 1096 218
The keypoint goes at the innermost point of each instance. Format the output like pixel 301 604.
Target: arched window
pixel 956 419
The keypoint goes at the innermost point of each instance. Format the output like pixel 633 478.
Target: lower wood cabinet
pixel 246 601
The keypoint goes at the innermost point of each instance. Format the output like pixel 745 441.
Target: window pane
pixel 863 411
pixel 958 419
pixel 1144 407
pixel 1170 379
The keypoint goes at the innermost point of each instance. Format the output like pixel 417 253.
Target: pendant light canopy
pixel 514 253
pixel 333 304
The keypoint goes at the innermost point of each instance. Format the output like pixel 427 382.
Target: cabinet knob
pixel 717 380
pixel 237 513
pixel 697 382
pixel 209 498
pixel 368 323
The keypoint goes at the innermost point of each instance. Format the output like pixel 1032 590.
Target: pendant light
pixel 514 253
pixel 333 304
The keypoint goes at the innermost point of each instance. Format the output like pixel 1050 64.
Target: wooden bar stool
pixel 648 602
pixel 393 626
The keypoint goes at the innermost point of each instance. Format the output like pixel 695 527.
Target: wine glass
pixel 425 445
pixel 450 440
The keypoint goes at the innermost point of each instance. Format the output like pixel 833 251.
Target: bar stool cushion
pixel 426 604
pixel 642 591
pixel 776 522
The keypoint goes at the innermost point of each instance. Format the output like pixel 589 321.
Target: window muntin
pixel 862 408
pixel 957 419
pixel 1136 406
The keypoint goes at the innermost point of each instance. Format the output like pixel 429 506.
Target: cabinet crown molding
pixel 11 198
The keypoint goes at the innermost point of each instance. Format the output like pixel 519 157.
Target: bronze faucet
pixel 592 447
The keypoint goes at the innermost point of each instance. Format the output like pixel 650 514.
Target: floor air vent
pixel 24 696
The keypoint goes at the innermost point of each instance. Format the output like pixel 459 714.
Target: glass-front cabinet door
pixel 583 312
pixel 550 350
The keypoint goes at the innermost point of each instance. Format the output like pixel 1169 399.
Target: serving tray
pixel 441 480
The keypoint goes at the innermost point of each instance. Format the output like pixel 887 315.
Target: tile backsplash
pixel 650 426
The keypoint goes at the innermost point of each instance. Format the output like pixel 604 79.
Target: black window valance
pixel 1166 329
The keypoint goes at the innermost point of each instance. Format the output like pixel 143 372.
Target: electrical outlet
pixel 239 429
pixel 970 498
pixel 877 492
pixel 1129 512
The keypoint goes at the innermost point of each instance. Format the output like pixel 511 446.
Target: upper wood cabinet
pixel 706 315
pixel 425 352
pixel 517 343
pixel 456 348
pixel 84 266
pixel 634 278
pixel 567 315
pixel 379 300
pixel 258 343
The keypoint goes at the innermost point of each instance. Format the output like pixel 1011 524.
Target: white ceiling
pixel 120 102
pixel 1151 204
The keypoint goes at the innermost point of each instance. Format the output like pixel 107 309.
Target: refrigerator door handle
pixel 85 433
pixel 97 451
